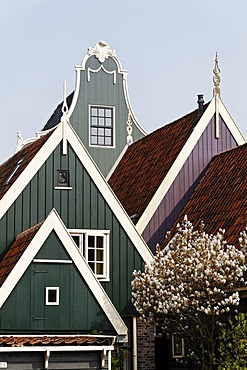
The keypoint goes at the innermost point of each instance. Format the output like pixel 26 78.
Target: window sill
pixel 104 280
pixel 63 187
pixel 102 146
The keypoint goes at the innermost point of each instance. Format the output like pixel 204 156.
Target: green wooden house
pixel 67 246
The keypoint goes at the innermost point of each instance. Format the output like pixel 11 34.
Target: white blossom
pixel 194 273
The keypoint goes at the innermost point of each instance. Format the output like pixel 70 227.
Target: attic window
pixel 52 296
pixel 62 178
pixel 14 171
pixel 101 126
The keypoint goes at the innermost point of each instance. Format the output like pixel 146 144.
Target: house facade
pixel 68 248
pixel 83 205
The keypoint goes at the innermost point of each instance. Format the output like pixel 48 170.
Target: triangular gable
pixel 220 199
pixel 198 126
pixel 53 222
pixel 64 132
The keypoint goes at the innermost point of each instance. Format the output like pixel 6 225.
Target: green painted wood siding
pixel 102 91
pixel 83 207
pixel 78 309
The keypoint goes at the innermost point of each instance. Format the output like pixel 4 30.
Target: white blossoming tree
pixel 190 288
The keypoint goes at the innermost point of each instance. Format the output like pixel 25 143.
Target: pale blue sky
pixel 168 47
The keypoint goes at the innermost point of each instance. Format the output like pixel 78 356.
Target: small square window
pixel 62 178
pixel 52 296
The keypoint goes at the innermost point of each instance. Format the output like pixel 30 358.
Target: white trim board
pixel 90 166
pixel 56 348
pixel 183 156
pixel 53 222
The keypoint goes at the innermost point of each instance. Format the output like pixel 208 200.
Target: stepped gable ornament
pixel 216 78
pixel 101 51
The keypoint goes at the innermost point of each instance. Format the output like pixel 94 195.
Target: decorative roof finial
pixel 65 106
pixel 101 51
pixel 64 119
pixel 216 78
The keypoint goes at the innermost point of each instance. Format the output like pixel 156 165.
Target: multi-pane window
pixel 101 126
pixel 94 245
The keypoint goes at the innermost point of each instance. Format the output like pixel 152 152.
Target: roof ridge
pixel 230 150
pixel 43 134
pixel 170 123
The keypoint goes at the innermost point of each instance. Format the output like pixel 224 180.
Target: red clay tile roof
pixel 76 340
pixel 26 154
pixel 147 161
pixel 220 199
pixel 16 250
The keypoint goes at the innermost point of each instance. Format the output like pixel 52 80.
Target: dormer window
pixel 14 171
pixel 101 126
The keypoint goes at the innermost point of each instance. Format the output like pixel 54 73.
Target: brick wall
pixel 145 346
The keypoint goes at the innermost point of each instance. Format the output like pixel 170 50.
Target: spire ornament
pixel 216 92
pixel 216 78
pixel 64 118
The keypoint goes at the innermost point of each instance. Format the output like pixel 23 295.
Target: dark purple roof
pixel 57 114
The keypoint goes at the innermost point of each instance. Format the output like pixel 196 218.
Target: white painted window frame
pixel 113 125
pixel 106 242
pixel 47 302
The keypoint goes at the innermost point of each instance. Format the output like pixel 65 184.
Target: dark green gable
pixel 103 84
pixel 82 206
pixel 78 311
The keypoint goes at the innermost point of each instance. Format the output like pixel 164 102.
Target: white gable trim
pixel 183 156
pixel 53 222
pixel 109 196
pixel 233 128
pixel 29 172
pixel 99 180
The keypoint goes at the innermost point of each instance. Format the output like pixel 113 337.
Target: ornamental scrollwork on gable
pixel 129 129
pixel 105 70
pixel 101 51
